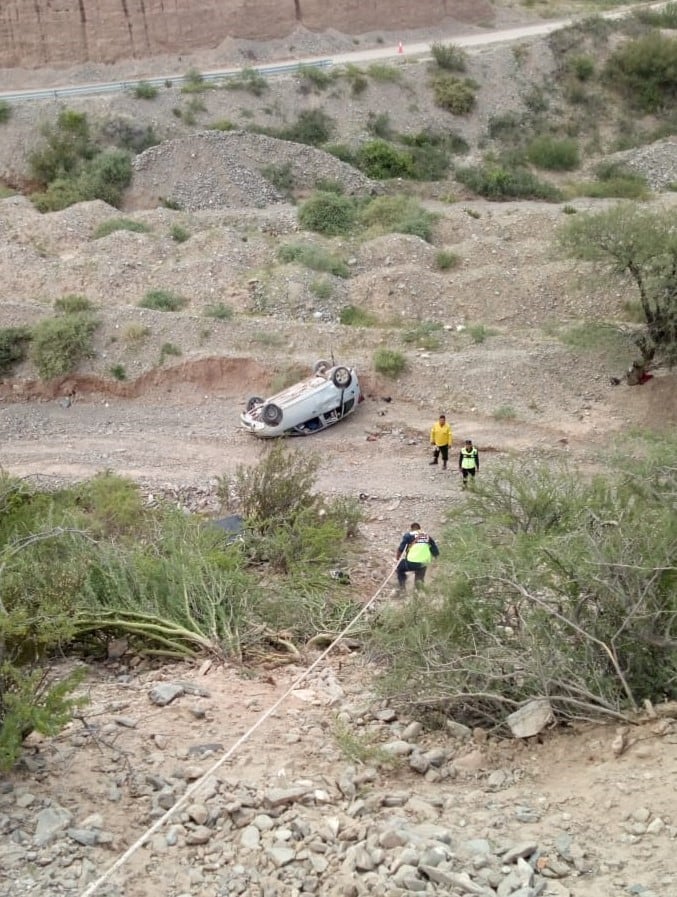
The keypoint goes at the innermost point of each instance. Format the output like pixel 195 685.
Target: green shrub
pixel 659 18
pixel 280 176
pixel 445 259
pixel 135 333
pixel 168 203
pixel 222 124
pixel 328 213
pixel 381 160
pixel 553 154
pixel 194 82
pixel 13 347
pixel 379 125
pixel 329 185
pixel 312 126
pixel 479 332
pixel 129 134
pixel 312 76
pixel 614 180
pixel 249 80
pixel 178 233
pixel 356 78
pixel 191 110
pixel 167 350
pixel 494 181
pixel 145 91
pixel 118 372
pixel 398 214
pixel 352 316
pixel 426 335
pixel 72 304
pixel 66 144
pixel 456 95
pixel 60 344
pixel 646 69
pixel 314 257
pixel 104 177
pixel 582 67
pixel 220 311
pixel 321 288
pixel 389 362
pixel 5 111
pixel 163 300
pixel 449 57
pixel 115 224
pixel 384 72
pixel 504 412
pixel 574 615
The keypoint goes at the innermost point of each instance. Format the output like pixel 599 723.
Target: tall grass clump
pixel 71 304
pixel 449 57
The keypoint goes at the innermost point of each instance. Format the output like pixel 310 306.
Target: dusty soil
pixel 521 392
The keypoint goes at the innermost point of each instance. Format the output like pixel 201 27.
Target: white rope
pixel 121 860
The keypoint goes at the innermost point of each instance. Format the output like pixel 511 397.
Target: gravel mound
pixel 212 169
pixel 656 161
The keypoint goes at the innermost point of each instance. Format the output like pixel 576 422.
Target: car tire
pixel 320 367
pixel 272 414
pixel 342 377
pixel 253 401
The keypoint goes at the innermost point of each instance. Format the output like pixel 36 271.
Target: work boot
pixel 432 463
pixel 444 466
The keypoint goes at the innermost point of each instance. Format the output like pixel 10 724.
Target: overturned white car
pixel 314 404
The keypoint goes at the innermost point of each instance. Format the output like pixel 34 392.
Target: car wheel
pixel 253 402
pixel 320 367
pixel 272 414
pixel 342 378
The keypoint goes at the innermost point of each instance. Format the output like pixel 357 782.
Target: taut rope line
pixel 122 859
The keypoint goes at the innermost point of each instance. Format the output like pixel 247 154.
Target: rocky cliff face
pixel 36 33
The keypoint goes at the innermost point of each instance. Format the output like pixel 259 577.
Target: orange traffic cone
pixel 400 48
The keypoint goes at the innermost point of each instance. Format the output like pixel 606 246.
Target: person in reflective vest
pixel 414 553
pixel 468 462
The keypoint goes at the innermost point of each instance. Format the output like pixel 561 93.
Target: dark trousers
pixel 441 450
pixel 468 471
pixel 414 567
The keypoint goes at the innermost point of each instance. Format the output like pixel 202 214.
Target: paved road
pixel 468 41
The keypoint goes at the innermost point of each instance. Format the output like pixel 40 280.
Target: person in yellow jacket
pixel 441 439
pixel 414 553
